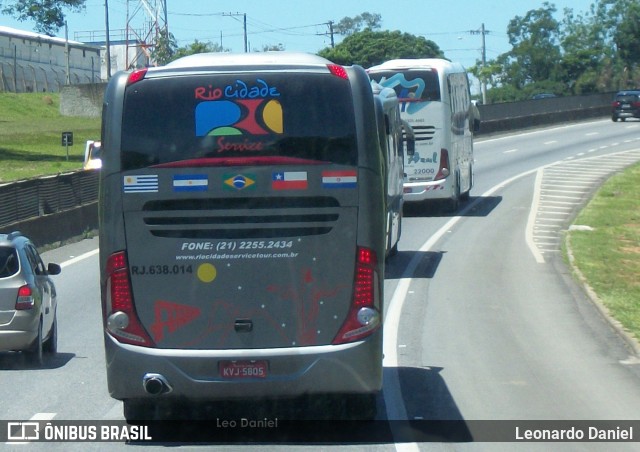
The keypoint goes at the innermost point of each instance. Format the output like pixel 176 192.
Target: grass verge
pixel 609 255
pixel 31 129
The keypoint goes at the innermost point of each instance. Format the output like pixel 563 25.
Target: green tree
pixel 350 25
pixel 48 15
pixel 165 48
pixel 622 19
pixel 199 47
pixel 368 48
pixel 611 49
pixel 587 52
pixel 535 46
pixel 272 48
pixel 627 35
pixel 584 52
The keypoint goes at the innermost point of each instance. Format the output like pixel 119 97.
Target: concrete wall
pixel 82 100
pixel 54 229
pixel 534 113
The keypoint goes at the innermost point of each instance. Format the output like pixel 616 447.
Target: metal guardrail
pixel 23 200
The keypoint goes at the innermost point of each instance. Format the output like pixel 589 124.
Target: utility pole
pixel 107 43
pixel 330 33
pixel 166 18
pixel 483 81
pixel 246 41
pixel 66 51
pixel 15 68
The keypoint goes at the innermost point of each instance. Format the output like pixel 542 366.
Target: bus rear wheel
pixel 453 203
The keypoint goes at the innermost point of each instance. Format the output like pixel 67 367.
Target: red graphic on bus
pixel 171 316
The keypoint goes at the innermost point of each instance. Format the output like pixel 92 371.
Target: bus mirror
pixel 411 147
pixel 475 117
pixel 409 138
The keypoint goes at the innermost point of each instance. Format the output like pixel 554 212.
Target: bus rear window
pixel 416 85
pixel 219 117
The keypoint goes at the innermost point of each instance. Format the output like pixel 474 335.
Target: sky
pixel 301 25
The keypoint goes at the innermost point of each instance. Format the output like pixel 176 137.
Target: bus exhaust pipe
pixel 156 384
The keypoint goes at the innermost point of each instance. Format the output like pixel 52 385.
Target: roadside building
pixel 31 62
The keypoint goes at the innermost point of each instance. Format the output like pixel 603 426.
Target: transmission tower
pixel 146 19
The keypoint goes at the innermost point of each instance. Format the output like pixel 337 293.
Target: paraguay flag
pixel 339 179
pixel 190 182
pixel 289 180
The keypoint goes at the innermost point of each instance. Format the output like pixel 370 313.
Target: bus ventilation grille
pixel 241 218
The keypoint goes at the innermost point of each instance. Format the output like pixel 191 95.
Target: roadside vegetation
pixel 31 129
pixel 608 256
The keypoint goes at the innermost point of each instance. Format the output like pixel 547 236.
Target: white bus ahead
pixel 435 101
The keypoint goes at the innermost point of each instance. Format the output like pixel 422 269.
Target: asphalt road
pixel 484 321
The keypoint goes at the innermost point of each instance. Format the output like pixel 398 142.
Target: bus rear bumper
pixel 291 372
pixel 423 191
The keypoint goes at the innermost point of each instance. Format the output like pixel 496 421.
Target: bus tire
pixel 453 203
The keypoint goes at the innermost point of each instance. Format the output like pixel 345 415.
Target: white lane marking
pixel 532 218
pixel 394 401
pixel 77 259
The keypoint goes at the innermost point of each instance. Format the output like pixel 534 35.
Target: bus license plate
pixel 243 369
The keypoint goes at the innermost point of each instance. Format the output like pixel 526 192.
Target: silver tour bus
pixel 242 232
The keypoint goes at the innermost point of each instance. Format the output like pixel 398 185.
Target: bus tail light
pixel 136 76
pixel 364 317
pixel 443 171
pixel 122 320
pixel 338 71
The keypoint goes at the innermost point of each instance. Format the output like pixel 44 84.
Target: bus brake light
pixel 364 317
pixel 122 320
pixel 338 71
pixel 443 171
pixel 136 76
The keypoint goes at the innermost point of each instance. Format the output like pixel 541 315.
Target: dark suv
pixel 28 299
pixel 626 105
